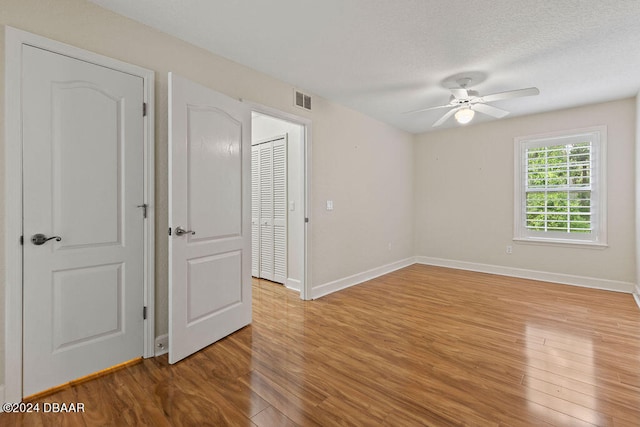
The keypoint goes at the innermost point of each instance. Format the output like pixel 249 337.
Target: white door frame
pixel 305 287
pixel 13 259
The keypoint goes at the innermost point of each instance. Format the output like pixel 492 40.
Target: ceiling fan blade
pixel 427 109
pixel 530 91
pixel 444 118
pixel 460 93
pixel 490 110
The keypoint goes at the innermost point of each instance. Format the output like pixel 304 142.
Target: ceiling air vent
pixel 302 100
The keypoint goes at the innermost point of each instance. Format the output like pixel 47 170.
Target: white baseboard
pixel 293 284
pixel 337 285
pixel 161 345
pixel 544 276
pixel 636 296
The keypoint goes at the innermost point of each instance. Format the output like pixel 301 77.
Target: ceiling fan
pixel 463 103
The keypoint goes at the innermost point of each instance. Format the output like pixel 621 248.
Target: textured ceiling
pixel 385 57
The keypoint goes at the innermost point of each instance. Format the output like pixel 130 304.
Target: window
pixel 560 187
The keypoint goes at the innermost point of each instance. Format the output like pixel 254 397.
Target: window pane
pixel 559 166
pixel 559 211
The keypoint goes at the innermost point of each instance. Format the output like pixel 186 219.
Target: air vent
pixel 302 100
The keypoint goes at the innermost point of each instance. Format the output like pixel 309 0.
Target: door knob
pixel 180 231
pixel 41 239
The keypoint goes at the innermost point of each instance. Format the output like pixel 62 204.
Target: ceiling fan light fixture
pixel 464 115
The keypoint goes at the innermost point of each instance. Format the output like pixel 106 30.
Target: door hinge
pixel 144 207
pixel 169 231
pixel 22 240
pixel 144 312
pixel 306 220
pixel 144 109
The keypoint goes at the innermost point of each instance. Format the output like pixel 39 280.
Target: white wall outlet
pixel 329 205
pixel 509 249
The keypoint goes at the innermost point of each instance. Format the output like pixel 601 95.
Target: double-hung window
pixel 560 189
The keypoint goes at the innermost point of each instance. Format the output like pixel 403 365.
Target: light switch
pixel 329 205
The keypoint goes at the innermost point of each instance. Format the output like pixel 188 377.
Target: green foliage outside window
pixel 558 188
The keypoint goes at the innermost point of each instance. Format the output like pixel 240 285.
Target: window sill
pixel 560 242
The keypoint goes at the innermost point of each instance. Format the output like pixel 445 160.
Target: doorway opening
pixel 280 194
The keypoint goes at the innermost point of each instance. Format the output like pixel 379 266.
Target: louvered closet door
pixel 269 210
pixel 255 210
pixel 280 210
pixel 266 211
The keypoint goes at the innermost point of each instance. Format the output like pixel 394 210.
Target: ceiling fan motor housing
pixel 471 95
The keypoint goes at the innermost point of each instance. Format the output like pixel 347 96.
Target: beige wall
pixel 367 172
pixel 464 194
pixel 362 164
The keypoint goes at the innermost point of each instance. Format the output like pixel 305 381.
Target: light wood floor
pixel 421 346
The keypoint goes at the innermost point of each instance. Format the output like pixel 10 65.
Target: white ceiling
pixel 384 57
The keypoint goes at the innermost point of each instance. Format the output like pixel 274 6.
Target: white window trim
pixel 520 233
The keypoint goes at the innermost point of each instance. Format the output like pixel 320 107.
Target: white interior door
pixel 83 178
pixel 209 216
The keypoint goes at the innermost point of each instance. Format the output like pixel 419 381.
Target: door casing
pixel 13 259
pixel 306 285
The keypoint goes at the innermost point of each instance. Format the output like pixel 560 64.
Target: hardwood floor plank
pixel 271 417
pixel 422 346
pixel 568 407
pixel 346 411
pixel 596 400
pixel 296 408
pixel 552 417
pixel 630 378
pixel 406 418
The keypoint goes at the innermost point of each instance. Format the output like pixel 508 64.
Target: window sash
pixel 559 166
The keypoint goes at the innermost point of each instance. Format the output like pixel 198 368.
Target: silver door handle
pixel 180 231
pixel 41 239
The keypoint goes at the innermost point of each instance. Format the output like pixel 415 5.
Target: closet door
pixel 279 166
pixel 266 210
pixel 269 210
pixel 255 211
